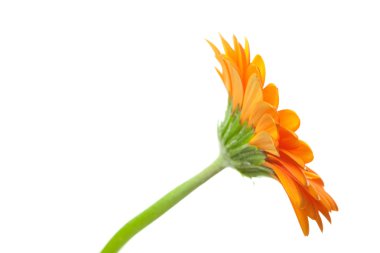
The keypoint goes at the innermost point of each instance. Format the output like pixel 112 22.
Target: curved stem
pixel 161 206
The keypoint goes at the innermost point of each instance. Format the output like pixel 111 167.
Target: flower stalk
pixel 161 206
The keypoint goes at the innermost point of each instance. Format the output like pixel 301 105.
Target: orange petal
pixel 313 192
pixel 253 94
pixel 288 183
pixel 311 211
pixel 303 151
pixel 293 169
pixel 267 124
pixel 311 175
pixel 289 119
pixel 270 93
pixel 258 61
pixel 288 139
pixel 333 204
pixel 296 159
pixel 317 179
pixel 326 199
pixel 323 200
pixel 319 221
pixel 323 210
pixel 302 220
pixel 264 142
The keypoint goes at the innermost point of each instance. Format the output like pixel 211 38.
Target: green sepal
pixel 256 171
pixel 234 138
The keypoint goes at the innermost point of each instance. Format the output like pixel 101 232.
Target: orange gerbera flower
pixel 258 139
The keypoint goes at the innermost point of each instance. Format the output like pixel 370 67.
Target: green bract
pixel 234 140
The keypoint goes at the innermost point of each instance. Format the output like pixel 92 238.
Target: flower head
pixel 258 139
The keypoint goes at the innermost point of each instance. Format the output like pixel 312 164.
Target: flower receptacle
pixel 235 149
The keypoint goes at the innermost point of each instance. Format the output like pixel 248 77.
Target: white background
pixel 107 105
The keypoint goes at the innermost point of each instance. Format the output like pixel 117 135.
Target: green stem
pixel 161 206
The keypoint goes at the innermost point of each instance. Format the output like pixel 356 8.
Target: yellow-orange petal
pixel 259 62
pixel 226 77
pixel 267 124
pixel 247 50
pixel 270 93
pixel 264 142
pixel 240 57
pixel 219 73
pixel 252 69
pixel 253 94
pixel 289 119
pixel 227 49
pixel 236 86
pixel 243 59
pixel 259 109
pixel 303 151
pixel 214 48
